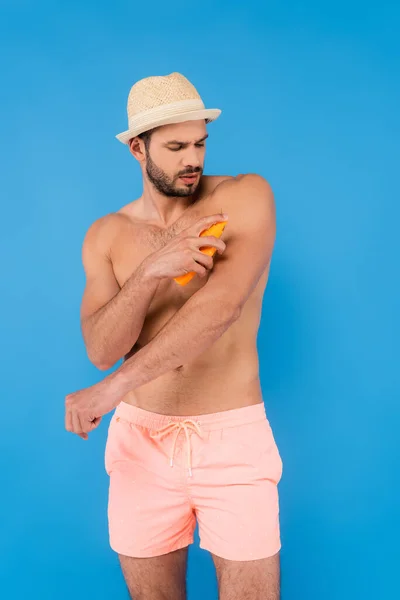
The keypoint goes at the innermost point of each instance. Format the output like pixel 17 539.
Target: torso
pixel 226 375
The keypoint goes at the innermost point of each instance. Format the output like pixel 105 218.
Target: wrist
pixel 119 383
pixel 147 271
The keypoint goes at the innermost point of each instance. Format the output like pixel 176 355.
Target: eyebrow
pixel 185 143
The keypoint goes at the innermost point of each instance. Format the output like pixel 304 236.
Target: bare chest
pixel 135 243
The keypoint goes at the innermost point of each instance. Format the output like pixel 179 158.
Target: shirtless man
pixel 189 438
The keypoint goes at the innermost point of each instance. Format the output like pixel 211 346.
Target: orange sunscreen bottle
pixel 215 230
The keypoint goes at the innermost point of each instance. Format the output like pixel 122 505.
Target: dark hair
pixel 146 137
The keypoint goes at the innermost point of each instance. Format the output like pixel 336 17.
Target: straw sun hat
pixel 161 100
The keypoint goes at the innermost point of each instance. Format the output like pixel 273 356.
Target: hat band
pixel 165 110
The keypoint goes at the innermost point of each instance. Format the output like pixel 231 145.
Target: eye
pixel 180 147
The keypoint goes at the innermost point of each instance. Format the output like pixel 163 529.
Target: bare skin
pixel 123 303
pixel 158 578
pixel 250 580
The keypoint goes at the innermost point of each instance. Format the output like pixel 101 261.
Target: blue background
pixel 310 95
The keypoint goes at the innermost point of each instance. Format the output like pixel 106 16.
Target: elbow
pixel 98 358
pixel 99 362
pixel 103 366
pixel 231 311
pixel 235 312
pixel 223 309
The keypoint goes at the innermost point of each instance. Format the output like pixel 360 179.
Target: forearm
pixel 193 329
pixel 112 331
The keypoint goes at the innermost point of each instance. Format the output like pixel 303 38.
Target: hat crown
pixel 163 100
pixel 159 90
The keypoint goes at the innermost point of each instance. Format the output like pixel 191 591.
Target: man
pixel 189 438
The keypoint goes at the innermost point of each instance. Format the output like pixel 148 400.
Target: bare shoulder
pixel 101 233
pixel 246 193
pixel 213 181
pixel 242 180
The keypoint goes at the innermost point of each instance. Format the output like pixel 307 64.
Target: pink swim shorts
pixel 166 472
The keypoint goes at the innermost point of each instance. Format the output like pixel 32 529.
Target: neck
pixel 163 210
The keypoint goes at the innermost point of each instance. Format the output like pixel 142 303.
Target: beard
pixel 163 183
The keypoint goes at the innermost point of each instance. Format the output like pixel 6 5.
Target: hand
pixel 182 255
pixel 85 408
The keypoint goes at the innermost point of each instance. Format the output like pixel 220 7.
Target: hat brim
pixel 210 114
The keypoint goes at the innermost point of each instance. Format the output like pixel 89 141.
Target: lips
pixel 189 178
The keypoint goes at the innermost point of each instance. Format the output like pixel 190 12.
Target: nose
pixel 193 158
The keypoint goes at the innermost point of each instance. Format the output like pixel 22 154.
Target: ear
pixel 137 149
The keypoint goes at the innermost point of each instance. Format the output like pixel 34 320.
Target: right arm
pixel 111 317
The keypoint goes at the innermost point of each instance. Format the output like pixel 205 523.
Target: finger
pixel 206 222
pixel 88 424
pixel 210 240
pixel 204 259
pixel 68 418
pixel 201 271
pixel 76 425
pixel 196 268
pixel 95 423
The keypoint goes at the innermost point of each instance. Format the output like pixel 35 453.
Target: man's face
pixel 176 150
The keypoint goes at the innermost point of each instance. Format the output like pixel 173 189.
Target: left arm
pixel 212 310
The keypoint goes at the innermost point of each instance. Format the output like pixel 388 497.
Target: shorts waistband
pixel 207 422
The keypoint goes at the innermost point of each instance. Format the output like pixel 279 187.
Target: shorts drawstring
pixel 179 426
